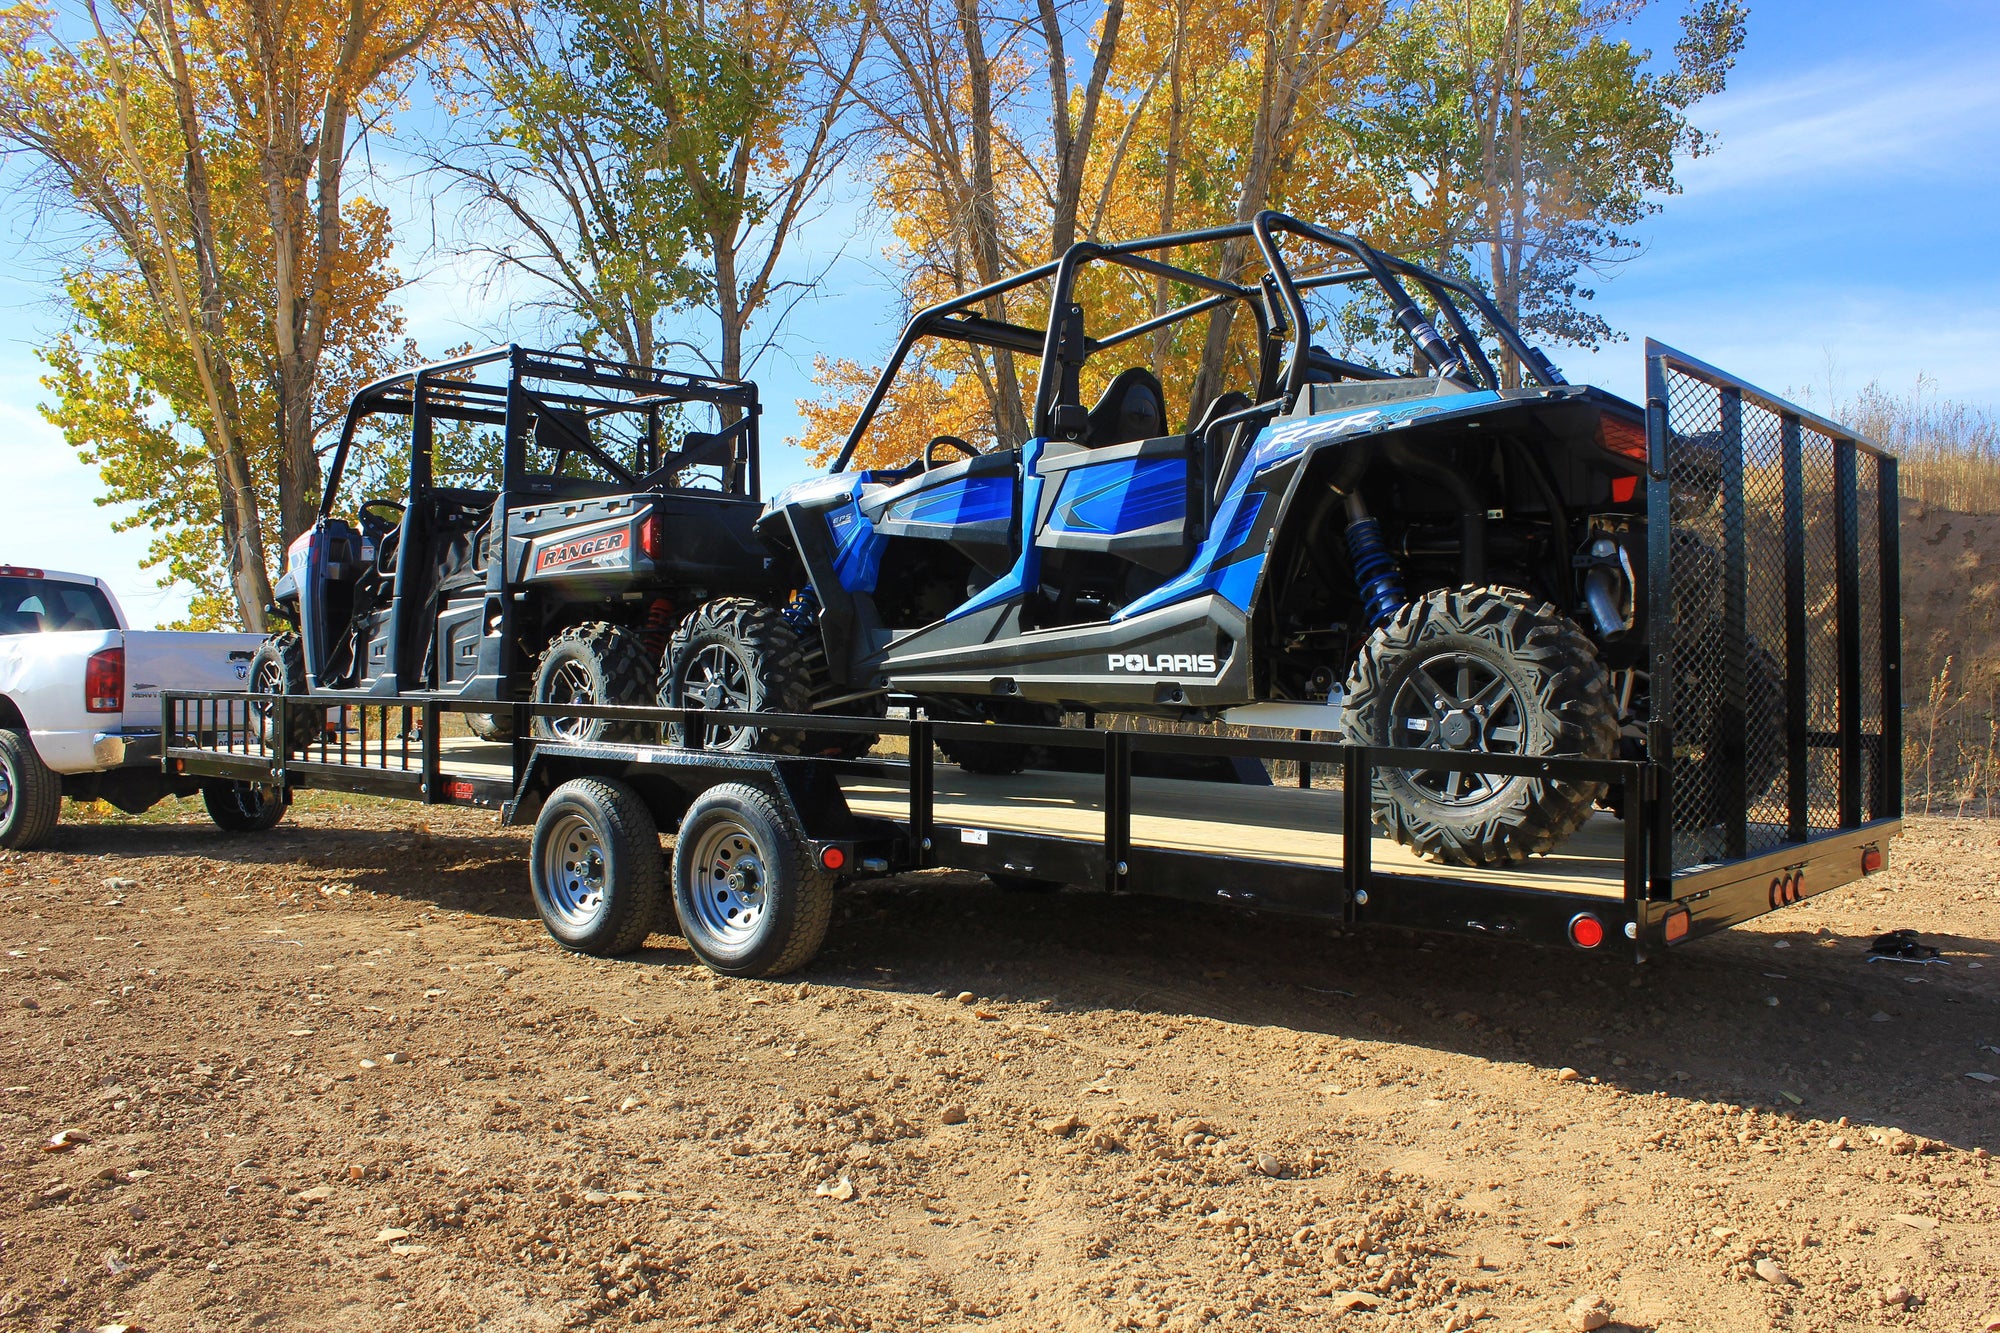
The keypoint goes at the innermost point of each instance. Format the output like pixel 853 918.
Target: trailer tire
pixel 1540 691
pixel 595 663
pixel 751 902
pixel 30 793
pixel 739 655
pixel 244 807
pixel 279 667
pixel 595 868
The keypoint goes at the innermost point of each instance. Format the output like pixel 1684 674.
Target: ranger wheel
pixel 1486 671
pixel 737 655
pixel 244 807
pixel 595 868
pixel 30 794
pixel 597 663
pixel 279 667
pixel 751 902
pixel 491 726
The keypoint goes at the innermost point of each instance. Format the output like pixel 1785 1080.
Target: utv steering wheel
pixel 366 506
pixel 960 445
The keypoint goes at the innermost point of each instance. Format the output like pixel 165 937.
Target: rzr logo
pixel 571 552
pixel 1165 663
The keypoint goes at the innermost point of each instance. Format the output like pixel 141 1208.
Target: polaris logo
pixel 1164 664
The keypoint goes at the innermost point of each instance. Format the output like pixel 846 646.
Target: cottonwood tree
pixel 203 146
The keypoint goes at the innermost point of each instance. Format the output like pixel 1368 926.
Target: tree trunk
pixel 1010 419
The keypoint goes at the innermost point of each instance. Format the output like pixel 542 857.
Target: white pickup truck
pixel 80 706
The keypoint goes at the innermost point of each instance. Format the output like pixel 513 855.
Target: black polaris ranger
pixel 520 524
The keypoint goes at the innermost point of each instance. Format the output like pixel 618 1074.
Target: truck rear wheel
pixel 1484 671
pixel 737 655
pixel 30 794
pixel 595 868
pixel 597 663
pixel 244 807
pixel 279 667
pixel 751 901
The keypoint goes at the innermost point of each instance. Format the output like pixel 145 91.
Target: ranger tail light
pixel 1625 438
pixel 649 536
pixel 104 682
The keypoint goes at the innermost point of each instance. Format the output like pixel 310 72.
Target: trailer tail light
pixel 1872 860
pixel 104 682
pixel 1677 924
pixel 832 858
pixel 650 542
pixel 19 572
pixel 1585 931
pixel 1625 438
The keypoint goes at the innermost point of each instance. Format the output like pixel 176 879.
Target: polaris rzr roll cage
pixel 1276 302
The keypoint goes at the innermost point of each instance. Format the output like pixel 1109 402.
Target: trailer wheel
pixel 597 663
pixel 279 667
pixel 751 902
pixel 244 807
pixel 595 868
pixel 1481 670
pixel 739 656
pixel 30 793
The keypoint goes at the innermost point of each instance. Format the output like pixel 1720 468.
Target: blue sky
pixel 1846 231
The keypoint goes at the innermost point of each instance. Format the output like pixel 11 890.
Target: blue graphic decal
pixel 1124 496
pixel 1027 568
pixel 967 500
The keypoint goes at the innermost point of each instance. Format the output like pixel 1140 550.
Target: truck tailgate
pixel 180 660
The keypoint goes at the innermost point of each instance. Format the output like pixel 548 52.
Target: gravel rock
pixel 1268 1165
pixel 1896 1294
pixel 1588 1313
pixel 953 1114
pixel 1567 1075
pixel 1773 1272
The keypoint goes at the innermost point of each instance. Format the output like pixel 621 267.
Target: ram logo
pixel 1164 664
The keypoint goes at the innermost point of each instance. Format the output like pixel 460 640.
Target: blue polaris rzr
pixel 1441 555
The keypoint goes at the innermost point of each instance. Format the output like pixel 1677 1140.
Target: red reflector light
pixel 1585 931
pixel 649 536
pixel 19 572
pixel 1625 438
pixel 104 682
pixel 1677 924
pixel 1872 860
pixel 1623 489
pixel 832 858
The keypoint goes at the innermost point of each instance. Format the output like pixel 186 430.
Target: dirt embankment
pixel 337 1078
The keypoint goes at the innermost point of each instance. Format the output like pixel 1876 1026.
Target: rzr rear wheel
pixel 1481 671
pixel 279 667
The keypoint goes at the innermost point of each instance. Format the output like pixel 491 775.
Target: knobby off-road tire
pixel 999 758
pixel 244 807
pixel 595 663
pixel 1707 744
pixel 595 867
pixel 30 793
pixel 751 900
pixel 279 667
pixel 1481 670
pixel 738 655
pixel 490 726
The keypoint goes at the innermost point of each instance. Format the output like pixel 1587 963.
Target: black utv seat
pixel 1133 408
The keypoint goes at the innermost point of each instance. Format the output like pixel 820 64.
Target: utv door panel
pixel 459 630
pixel 1135 501
pixel 973 504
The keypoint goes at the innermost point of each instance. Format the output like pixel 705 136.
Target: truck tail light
pixel 104 682
pixel 19 572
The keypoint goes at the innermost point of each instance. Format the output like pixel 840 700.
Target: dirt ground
pixel 336 1077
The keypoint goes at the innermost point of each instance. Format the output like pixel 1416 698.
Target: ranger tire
pixel 1481 670
pixel 279 667
pixel 490 726
pixel 594 867
pixel 752 902
pixel 737 655
pixel 30 793
pixel 596 663
pixel 243 807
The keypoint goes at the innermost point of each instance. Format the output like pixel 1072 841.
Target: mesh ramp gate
pixel 1774 596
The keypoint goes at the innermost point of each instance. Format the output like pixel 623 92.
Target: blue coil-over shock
pixel 1375 571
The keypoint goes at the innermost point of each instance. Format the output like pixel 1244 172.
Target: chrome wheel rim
pixel 729 884
pixel 6 793
pixel 269 680
pixel 570 683
pixel 716 678
pixel 1456 702
pixel 573 870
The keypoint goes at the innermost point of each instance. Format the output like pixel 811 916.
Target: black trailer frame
pixel 394 748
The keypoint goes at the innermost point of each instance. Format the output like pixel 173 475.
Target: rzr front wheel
pixel 1481 671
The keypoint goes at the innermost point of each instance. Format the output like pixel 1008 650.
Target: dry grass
pixel 1950 450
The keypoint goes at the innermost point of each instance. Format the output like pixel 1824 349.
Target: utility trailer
pixel 1782 727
